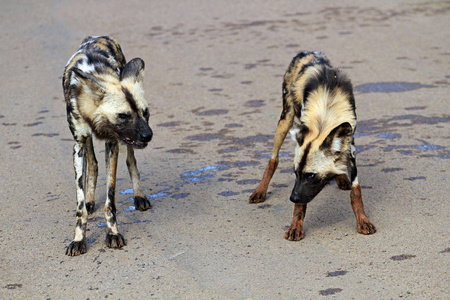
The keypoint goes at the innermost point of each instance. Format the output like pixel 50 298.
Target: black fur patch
pixel 111 195
pixel 300 137
pixel 130 99
pixel 302 163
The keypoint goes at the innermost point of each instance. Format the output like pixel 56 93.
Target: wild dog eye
pixel 309 176
pixel 146 114
pixel 124 117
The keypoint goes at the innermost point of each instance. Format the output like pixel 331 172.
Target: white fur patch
pixel 85 67
pixel 293 132
pixel 352 150
pixel 336 145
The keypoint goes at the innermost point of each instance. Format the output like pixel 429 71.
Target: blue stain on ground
pixel 388 135
pixel 158 195
pixel 202 174
pixel 197 176
pixel 103 224
pixel 127 191
pixel 269 155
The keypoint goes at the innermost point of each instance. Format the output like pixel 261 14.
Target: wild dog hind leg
pixel 113 238
pixel 92 176
pixel 295 232
pixel 285 123
pixel 363 224
pixel 140 200
pixel 78 245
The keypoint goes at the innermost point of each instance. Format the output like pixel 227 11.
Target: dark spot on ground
pixel 228 193
pixel 46 134
pixel 389 87
pixel 280 185
pixel 330 291
pixel 415 178
pixel 13 286
pixel 415 108
pixel 229 150
pixel 389 170
pixel 402 257
pixel 169 124
pixel 264 206
pixel 180 196
pixel 32 124
pixel 254 103
pixel 213 112
pixel 445 251
pixel 205 137
pixel 248 181
pixel 336 273
pixel 181 151
pixel 233 125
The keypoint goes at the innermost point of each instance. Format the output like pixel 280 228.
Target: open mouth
pixel 135 144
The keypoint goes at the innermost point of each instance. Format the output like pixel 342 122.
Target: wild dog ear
pixel 339 137
pixel 94 84
pixel 298 132
pixel 133 70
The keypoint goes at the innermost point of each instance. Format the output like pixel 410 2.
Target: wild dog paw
pixel 115 240
pixel 141 203
pixel 294 233
pixel 365 227
pixel 257 197
pixel 90 207
pixel 76 248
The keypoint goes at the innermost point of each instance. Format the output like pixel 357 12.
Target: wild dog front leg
pixel 363 224
pixel 92 177
pixel 295 232
pixel 113 238
pixel 140 200
pixel 78 245
pixel 259 195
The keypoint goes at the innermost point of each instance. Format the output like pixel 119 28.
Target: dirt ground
pixel 213 81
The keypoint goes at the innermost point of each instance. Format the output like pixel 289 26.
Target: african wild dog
pixel 104 97
pixel 321 98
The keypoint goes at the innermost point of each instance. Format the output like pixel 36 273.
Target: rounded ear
pixel 133 70
pixel 339 137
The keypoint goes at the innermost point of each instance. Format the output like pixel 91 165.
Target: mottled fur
pixel 321 98
pixel 104 97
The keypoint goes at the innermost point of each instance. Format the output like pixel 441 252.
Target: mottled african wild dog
pixel 321 98
pixel 105 97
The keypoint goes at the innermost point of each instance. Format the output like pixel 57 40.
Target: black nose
pixel 294 198
pixel 146 136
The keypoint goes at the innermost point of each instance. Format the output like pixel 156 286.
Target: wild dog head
pixel 118 109
pixel 318 160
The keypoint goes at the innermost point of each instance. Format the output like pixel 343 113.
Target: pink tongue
pixel 127 138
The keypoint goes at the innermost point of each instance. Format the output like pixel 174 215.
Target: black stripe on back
pixel 332 79
pixel 130 99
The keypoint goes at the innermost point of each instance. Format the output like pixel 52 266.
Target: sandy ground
pixel 213 80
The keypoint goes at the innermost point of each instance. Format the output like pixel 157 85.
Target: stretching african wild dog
pixel 321 98
pixel 104 96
